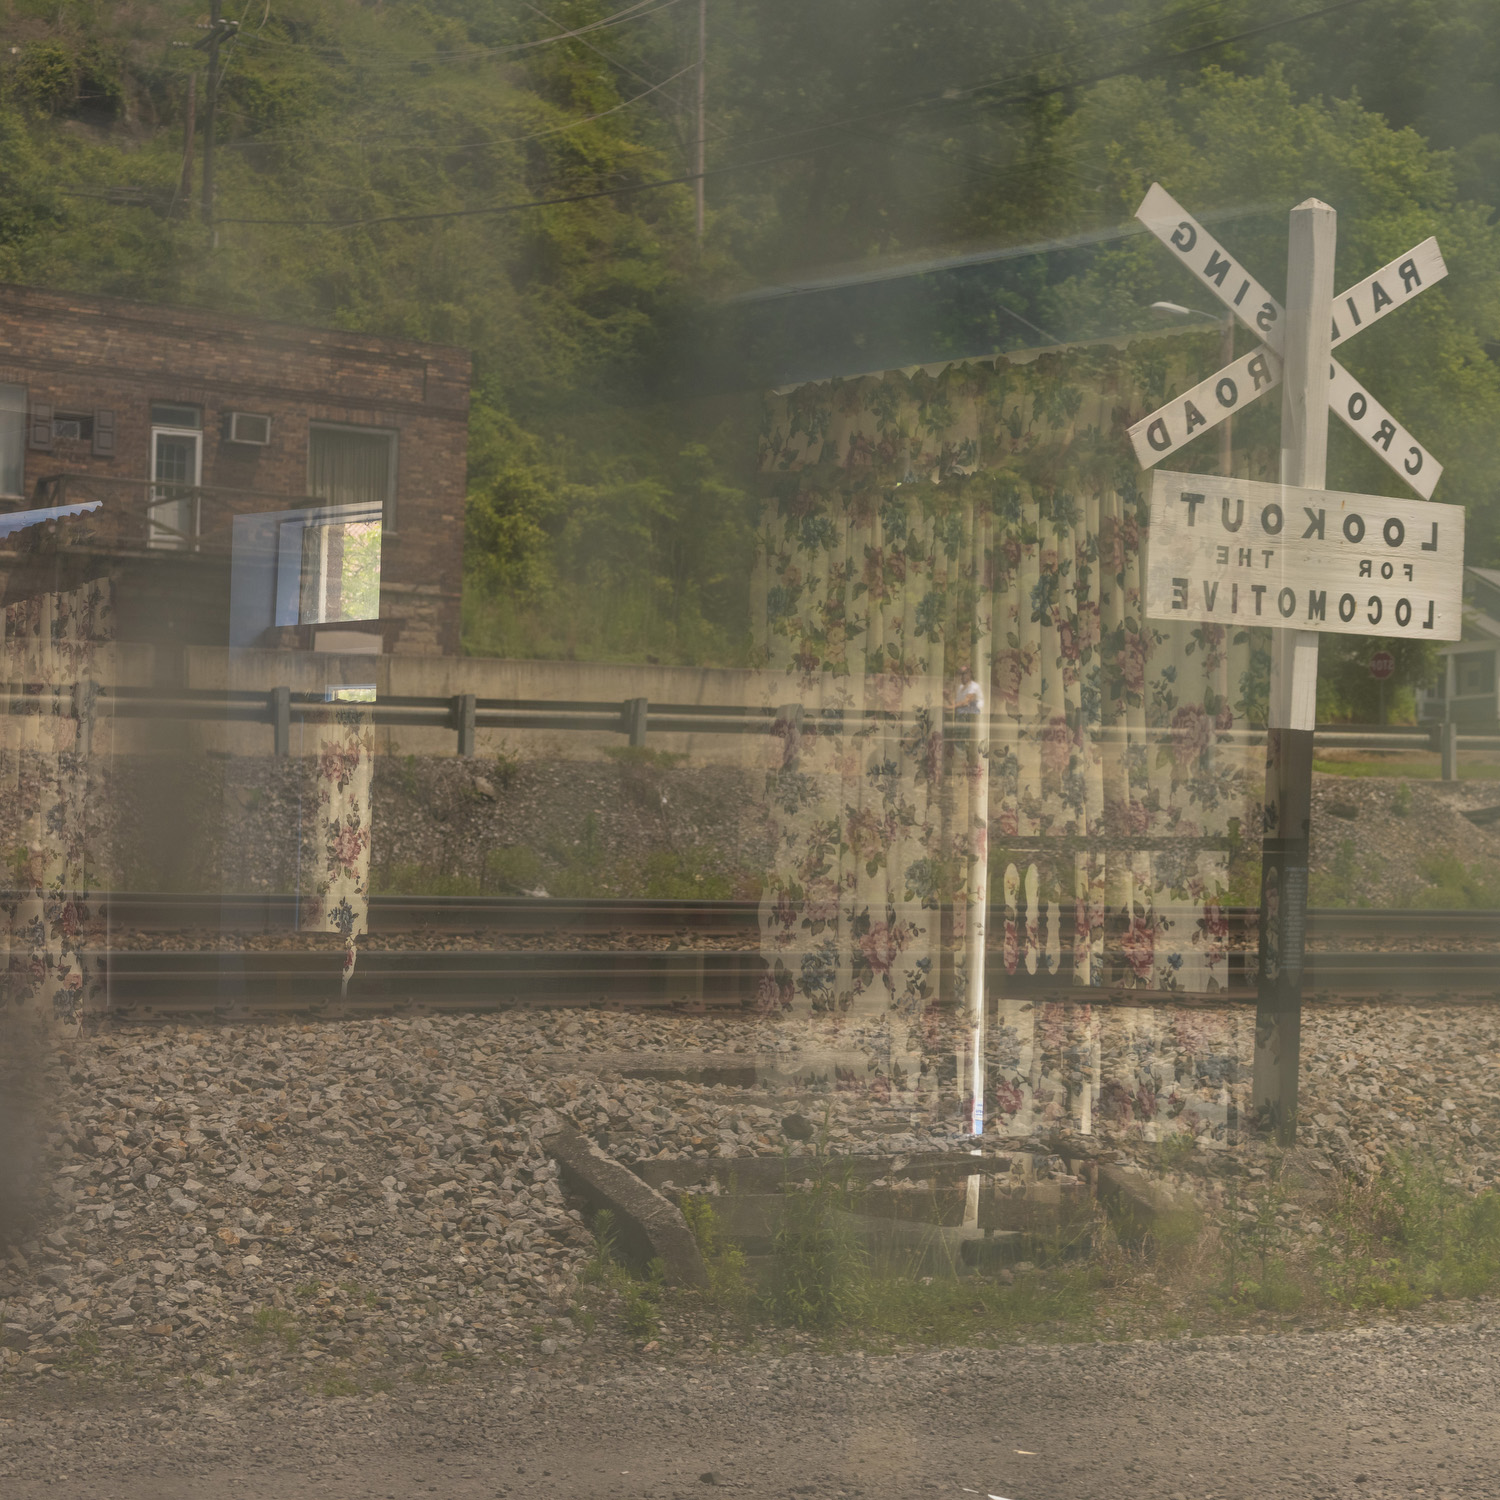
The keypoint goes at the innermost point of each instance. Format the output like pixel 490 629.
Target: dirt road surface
pixel 1375 1413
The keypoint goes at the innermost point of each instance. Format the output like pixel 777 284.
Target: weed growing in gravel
pixel 508 762
pixel 962 1310
pixel 1341 885
pixel 1409 1235
pixel 641 1311
pixel 419 880
pixel 1456 885
pixel 1401 801
pixel 1254 1238
pixel 671 876
pixel 725 1261
pixel 512 870
pixel 600 1267
pixel 642 756
pixel 277 1323
pixel 1174 1149
pixel 640 1299
pixel 817 1263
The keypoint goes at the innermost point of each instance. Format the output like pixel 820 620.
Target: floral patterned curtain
pixel 54 652
pixel 335 895
pixel 988 518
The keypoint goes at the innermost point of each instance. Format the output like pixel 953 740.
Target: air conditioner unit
pixel 247 427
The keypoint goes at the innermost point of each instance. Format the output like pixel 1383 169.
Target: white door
pixel 176 471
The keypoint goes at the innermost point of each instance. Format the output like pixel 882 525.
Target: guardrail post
pixel 1450 751
pixel 633 720
pixel 281 719
pixel 464 710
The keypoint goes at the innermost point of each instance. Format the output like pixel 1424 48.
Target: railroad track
pixel 561 915
pixel 147 981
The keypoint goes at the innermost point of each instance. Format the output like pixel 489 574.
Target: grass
pixel 1408 1238
pixel 275 1323
pixel 1425 769
pixel 959 1310
pixel 1343 884
pixel 1457 886
pixel 639 1298
pixel 728 1286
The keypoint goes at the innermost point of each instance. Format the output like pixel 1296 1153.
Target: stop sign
pixel 1382 664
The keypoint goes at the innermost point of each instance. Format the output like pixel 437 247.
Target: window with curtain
pixel 353 466
pixel 12 440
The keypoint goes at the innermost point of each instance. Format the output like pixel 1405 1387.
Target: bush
pixel 1456 885
pixel 817 1264
pixel 724 1260
pixel 512 870
pixel 683 877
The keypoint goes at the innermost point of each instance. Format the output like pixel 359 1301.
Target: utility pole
pixel 702 117
pixel 1226 428
pixel 219 30
pixel 185 187
pixel 1294 685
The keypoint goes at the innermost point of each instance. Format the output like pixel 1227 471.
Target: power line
pixel 914 100
pixel 510 208
pixel 432 145
pixel 950 97
pixel 1035 92
pixel 639 10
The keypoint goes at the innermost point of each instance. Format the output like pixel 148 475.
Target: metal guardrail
pixel 465 714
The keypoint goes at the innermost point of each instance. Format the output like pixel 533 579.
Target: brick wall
pixel 87 354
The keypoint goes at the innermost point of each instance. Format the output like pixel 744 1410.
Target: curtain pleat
pixel 54 654
pixel 990 517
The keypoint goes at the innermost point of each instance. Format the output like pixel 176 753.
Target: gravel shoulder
pixel 1378 1413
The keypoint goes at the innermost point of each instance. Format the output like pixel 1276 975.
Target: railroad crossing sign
pixel 1295 554
pixel 1237 384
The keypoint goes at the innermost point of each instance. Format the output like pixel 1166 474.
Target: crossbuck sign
pixel 1238 384
pixel 1244 553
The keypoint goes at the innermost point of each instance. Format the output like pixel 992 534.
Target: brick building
pixel 186 425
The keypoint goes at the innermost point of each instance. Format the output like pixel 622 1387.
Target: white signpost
pixel 1295 554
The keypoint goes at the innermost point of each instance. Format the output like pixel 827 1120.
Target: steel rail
pixel 153 912
pixel 251 985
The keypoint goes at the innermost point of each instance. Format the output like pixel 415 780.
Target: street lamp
pixel 1226 357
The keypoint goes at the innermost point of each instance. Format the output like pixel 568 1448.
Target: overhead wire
pixel 615 62
pixel 639 10
pixel 628 189
pixel 497 140
pixel 913 101
pixel 950 97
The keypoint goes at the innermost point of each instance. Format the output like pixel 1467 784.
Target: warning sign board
pixel 1240 552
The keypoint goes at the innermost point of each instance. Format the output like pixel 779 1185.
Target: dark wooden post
pixel 281 719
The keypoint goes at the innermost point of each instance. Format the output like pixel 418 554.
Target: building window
pixel 78 425
pixel 12 440
pixel 1474 675
pixel 176 472
pixel 353 466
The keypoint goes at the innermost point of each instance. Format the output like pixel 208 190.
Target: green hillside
pixel 507 177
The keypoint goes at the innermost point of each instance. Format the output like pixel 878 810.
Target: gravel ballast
pixel 384 1186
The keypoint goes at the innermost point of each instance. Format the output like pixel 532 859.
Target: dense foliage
pixel 374 156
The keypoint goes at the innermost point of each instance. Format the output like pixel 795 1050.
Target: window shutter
pixel 104 434
pixel 41 425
